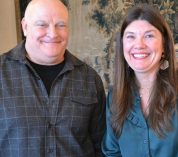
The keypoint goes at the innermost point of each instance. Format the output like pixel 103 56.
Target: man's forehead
pixel 39 7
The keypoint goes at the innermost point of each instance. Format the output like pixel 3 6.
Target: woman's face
pixel 142 47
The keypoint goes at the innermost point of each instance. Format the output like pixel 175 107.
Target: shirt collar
pixel 19 53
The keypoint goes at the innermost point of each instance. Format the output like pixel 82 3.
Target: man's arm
pixel 98 124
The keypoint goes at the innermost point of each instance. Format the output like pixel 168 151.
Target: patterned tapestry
pixel 95 23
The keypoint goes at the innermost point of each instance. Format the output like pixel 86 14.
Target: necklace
pixel 144 91
pixel 145 95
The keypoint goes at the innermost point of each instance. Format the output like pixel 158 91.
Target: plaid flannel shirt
pixel 70 122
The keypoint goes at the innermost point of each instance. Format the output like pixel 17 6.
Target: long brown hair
pixel 165 87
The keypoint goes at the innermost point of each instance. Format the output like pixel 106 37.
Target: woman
pixel 142 119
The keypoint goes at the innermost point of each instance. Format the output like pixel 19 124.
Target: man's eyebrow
pixel 61 22
pixel 39 21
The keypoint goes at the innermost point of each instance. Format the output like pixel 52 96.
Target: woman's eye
pixel 149 36
pixel 130 37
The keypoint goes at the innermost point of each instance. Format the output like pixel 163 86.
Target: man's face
pixel 46 31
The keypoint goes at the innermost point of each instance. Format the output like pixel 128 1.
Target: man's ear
pixel 24 26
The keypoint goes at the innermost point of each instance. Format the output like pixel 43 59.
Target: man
pixel 51 103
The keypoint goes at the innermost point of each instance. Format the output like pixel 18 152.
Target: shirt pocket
pixel 82 109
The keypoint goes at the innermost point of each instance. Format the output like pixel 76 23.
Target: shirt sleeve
pixel 98 123
pixel 110 145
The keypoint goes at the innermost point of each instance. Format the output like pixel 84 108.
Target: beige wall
pixel 8 38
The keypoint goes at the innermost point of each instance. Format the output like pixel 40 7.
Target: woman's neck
pixel 145 84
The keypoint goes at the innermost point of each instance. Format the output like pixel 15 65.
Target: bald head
pixel 52 5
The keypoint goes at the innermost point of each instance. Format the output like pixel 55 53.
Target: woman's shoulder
pixel 109 96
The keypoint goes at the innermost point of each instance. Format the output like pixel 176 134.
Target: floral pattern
pixel 106 16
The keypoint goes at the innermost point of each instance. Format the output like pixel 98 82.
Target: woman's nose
pixel 140 43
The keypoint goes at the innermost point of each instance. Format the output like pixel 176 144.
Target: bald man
pixel 51 103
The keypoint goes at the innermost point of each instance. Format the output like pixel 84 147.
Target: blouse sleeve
pixel 110 145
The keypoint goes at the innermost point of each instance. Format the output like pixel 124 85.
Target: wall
pixel 8 33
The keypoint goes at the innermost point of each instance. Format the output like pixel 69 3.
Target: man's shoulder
pixel 14 53
pixel 79 64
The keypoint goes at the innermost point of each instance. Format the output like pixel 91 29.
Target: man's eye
pixel 61 25
pixel 41 25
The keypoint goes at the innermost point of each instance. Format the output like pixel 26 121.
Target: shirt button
pixel 145 141
pixel 50 125
pixel 50 150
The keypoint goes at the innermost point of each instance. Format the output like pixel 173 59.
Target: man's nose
pixel 52 32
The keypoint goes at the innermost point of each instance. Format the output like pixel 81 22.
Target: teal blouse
pixel 137 138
